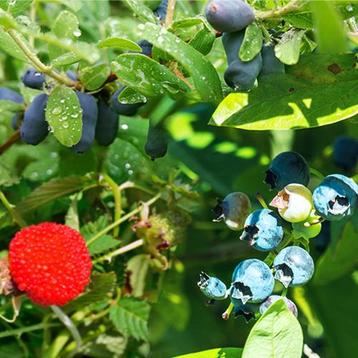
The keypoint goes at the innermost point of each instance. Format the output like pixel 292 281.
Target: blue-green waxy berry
pixel 293 266
pixel 263 229
pixel 212 287
pixel 252 281
pixel 234 209
pixel 336 197
pixel 272 299
pixel 287 168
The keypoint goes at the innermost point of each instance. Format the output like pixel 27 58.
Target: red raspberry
pixel 50 262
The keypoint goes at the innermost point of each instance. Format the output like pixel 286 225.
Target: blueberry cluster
pixel 296 217
pixel 231 17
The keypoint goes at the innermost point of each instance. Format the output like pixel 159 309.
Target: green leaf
pixel 138 267
pixel 288 49
pixel 103 244
pixel 130 96
pixel 277 334
pixel 330 34
pixel 142 11
pixel 340 257
pixel 130 317
pixel 66 25
pixel 120 43
pixel 202 72
pixel 11 106
pixel 15 7
pixel 147 76
pixel 252 42
pixel 215 353
pixel 66 59
pixel 72 219
pixel 7 21
pixel 320 90
pixel 95 76
pixel 8 45
pixel 203 41
pixel 301 20
pixel 64 115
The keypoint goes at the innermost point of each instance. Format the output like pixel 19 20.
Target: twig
pixel 10 141
pixel 19 331
pixel 170 13
pixel 16 217
pixel 274 13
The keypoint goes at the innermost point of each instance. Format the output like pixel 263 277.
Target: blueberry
pixel 252 281
pixel 234 209
pixel 89 121
pixel 161 10
pixel 10 95
pixel 247 310
pixel 156 145
pixel 345 153
pixel 336 197
pixel 229 15
pixel 272 299
pixel 270 63
pixel 146 47
pixel 293 266
pixel 107 124
pixel 263 229
pixel 33 79
pixel 34 128
pixel 124 109
pixel 72 75
pixel 294 203
pixel 287 168
pixel 212 287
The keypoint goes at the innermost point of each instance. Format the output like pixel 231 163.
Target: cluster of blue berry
pixel 296 217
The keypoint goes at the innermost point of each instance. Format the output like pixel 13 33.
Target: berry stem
pixel 19 331
pixel 228 311
pixel 279 12
pixel 261 200
pixel 9 142
pixel 16 217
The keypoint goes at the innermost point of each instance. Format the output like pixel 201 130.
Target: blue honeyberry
pixel 212 287
pixel 34 128
pixel 33 79
pixel 270 63
pixel 272 299
pixel 89 120
pixel 161 11
pixel 336 197
pixel 252 281
pixel 263 229
pixel 286 168
pixel 146 47
pixel 233 209
pixel 232 43
pixel 107 124
pixel 345 152
pixel 124 109
pixel 229 15
pixel 293 266
pixel 156 145
pixel 72 75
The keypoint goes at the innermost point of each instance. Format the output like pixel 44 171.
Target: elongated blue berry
pixel 107 124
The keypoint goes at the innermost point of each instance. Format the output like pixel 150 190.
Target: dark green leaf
pixel 103 244
pixel 95 76
pixel 130 96
pixel 288 49
pixel 120 43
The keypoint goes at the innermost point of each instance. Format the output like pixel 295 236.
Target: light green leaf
pixel 130 317
pixel 215 353
pixel 203 41
pixel 15 7
pixel 103 244
pixel 120 43
pixel 138 267
pixel 66 59
pixel 320 90
pixel 142 11
pixel 8 45
pixel 72 219
pixel 7 21
pixel 11 106
pixel 66 25
pixel 252 42
pixel 130 96
pixel 64 115
pixel 187 22
pixel 147 76
pixel 277 334
pixel 94 77
pixel 202 72
pixel 288 49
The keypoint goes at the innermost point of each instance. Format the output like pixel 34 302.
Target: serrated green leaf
pixel 147 76
pixel 202 72
pixel 130 317
pixel 277 334
pixel 66 25
pixel 95 76
pixel 215 353
pixel 142 11
pixel 103 244
pixel 120 43
pixel 64 115
pixel 288 49
pixel 131 96
pixel 252 43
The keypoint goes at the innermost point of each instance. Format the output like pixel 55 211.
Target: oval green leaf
pixel 131 96
pixel 288 49
pixel 95 76
pixel 252 43
pixel 66 25
pixel 142 11
pixel 120 43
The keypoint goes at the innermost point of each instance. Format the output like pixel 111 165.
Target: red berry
pixel 50 262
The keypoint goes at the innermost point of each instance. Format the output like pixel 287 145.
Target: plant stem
pixel 170 13
pixel 10 141
pixel 19 331
pixel 276 13
pixel 133 245
pixel 16 217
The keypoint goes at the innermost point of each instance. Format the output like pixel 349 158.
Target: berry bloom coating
pixel 293 266
pixel 336 197
pixel 263 229
pixel 212 287
pixel 345 152
pixel 287 168
pixel 33 79
pixel 252 281
pixel 234 209
pixel 50 263
pixel 294 203
pixel 272 299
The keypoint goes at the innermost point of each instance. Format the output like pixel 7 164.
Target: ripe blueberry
pixel 270 63
pixel 156 145
pixel 336 197
pixel 287 168
pixel 234 209
pixel 34 128
pixel 125 109
pixel 293 266
pixel 229 15
pixel 345 153
pixel 212 287
pixel 272 299
pixel 33 79
pixel 89 121
pixel 263 229
pixel 107 124
pixel 252 281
